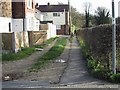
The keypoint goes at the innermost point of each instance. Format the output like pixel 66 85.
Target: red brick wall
pixel 30 10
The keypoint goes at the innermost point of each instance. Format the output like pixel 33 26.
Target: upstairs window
pixel 30 4
pixel 56 14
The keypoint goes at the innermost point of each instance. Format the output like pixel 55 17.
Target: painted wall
pixel 31 23
pixel 50 28
pixel 51 32
pixel 38 15
pixel 17 25
pixel 57 20
pixel 4 24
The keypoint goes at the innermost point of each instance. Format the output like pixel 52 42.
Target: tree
pixel 77 18
pixel 102 16
pixel 87 6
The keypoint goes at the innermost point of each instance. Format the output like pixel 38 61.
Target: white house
pixel 58 14
pixel 38 15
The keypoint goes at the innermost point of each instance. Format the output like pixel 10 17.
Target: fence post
pixel 13 42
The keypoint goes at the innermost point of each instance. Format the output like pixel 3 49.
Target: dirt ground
pixel 16 69
pixel 52 72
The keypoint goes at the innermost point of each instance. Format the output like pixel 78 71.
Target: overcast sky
pixel 79 4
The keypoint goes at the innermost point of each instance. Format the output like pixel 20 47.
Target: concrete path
pixel 76 71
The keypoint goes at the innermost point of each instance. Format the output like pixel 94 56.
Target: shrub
pixel 96 69
pixel 115 78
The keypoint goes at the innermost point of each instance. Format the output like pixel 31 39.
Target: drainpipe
pixel 65 23
pixel 23 12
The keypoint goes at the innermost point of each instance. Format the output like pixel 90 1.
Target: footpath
pixel 67 71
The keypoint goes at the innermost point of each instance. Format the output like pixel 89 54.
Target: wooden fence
pixel 37 37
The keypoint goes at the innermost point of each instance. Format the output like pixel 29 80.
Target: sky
pixel 79 4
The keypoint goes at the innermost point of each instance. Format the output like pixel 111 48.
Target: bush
pixel 96 69
pixel 91 64
pixel 115 78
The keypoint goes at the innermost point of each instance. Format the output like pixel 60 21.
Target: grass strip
pixel 25 52
pixel 53 53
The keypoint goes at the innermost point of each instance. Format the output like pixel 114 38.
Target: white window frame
pixel 56 14
pixel 29 4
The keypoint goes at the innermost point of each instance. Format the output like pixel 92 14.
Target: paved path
pixel 73 75
pixel 76 71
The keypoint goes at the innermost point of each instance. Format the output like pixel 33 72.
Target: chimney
pixel 48 3
pixel 36 6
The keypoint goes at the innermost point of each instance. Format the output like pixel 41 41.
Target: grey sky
pixel 79 4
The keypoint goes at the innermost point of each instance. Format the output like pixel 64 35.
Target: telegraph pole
pixel 113 39
pixel 70 21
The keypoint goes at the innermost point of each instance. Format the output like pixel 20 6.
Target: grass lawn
pixel 53 53
pixel 25 52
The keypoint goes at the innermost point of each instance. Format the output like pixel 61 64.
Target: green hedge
pixel 95 68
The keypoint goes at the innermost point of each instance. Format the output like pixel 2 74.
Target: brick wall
pixel 5 8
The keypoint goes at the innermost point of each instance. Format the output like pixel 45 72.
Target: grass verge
pixel 53 53
pixel 25 52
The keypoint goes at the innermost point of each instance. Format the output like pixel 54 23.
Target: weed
pixel 25 52
pixel 53 53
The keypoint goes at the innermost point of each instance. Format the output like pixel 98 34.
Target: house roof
pixel 53 8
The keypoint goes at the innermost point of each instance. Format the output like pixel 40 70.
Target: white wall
pixel 36 25
pixel 31 22
pixel 38 15
pixel 57 20
pixel 4 24
pixel 51 32
pixel 17 25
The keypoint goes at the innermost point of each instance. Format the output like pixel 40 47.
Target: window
pixel 56 14
pixel 58 26
pixel 30 4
